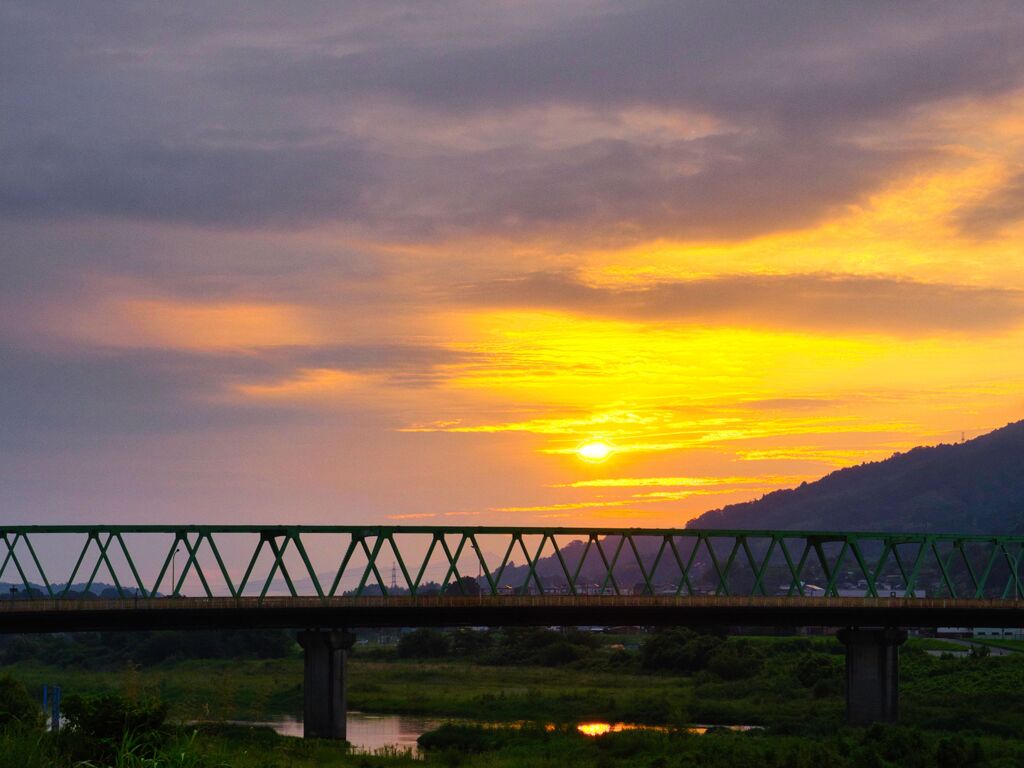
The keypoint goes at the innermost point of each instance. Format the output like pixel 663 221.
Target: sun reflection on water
pixel 600 729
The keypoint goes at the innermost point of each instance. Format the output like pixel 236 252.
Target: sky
pixel 399 262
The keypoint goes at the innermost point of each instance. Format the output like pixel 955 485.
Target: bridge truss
pixel 153 562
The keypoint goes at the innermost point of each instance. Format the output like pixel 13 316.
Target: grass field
pixel 255 690
pixel 935 644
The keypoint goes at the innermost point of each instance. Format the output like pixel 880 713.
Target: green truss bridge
pixel 327 579
pixel 63 578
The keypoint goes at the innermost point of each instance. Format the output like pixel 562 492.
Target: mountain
pixel 16 590
pixel 971 487
pixel 975 487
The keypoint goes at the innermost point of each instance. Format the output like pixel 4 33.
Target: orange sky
pixel 387 280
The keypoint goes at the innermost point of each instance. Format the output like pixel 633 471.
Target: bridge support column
pixel 324 702
pixel 872 674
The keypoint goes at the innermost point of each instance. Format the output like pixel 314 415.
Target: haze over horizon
pixel 399 263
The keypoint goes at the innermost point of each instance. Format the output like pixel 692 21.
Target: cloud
pixel 683 482
pixel 802 62
pixel 210 119
pixel 184 186
pixel 809 302
pixel 617 191
pixel 730 185
pixel 92 393
pixel 227 186
pixel 999 209
pixel 793 403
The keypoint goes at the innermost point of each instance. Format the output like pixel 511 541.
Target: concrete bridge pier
pixel 324 704
pixel 872 674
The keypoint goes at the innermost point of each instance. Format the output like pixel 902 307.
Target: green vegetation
pixel 193 690
pixel 104 650
pixel 474 747
pixel 877 746
pixel 101 727
pixel 956 711
pixel 672 677
pixel 935 644
pixel 525 646
pixel 17 709
pixel 1005 644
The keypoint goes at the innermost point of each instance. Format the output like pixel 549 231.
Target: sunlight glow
pixel 596 451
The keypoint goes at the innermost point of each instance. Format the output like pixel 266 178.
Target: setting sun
pixel 595 451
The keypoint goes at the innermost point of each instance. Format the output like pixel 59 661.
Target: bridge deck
pixel 67 615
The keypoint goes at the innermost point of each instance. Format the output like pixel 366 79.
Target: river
pixel 370 733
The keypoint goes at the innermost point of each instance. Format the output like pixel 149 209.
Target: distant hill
pixel 971 487
pixel 16 590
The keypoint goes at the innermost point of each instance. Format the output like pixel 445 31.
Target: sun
pixel 595 451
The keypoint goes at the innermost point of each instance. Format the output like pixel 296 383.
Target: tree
pixel 678 650
pixel 424 644
pixel 466 585
pixel 734 660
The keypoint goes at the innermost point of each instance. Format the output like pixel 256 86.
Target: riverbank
pixel 796 686
pixel 794 691
pixel 223 746
pixel 257 690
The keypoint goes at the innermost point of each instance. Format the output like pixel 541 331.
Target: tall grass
pixel 26 749
pixel 136 752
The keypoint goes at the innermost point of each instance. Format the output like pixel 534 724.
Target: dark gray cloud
pixel 613 190
pixel 994 212
pixel 90 394
pixel 719 186
pixel 232 186
pixel 814 302
pixel 794 62
pixel 246 116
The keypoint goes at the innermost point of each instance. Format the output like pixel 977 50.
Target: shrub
pixel 464 738
pixel 826 687
pixel 466 643
pixel 562 652
pixel 957 752
pixel 517 646
pixel 678 650
pixel 99 726
pixel 16 705
pixel 734 660
pixel 424 644
pixel 899 745
pixel 812 668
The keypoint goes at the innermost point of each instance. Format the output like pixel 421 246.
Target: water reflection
pixel 366 732
pixel 370 733
pixel 600 729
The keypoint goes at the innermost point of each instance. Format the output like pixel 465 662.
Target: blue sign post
pixel 51 702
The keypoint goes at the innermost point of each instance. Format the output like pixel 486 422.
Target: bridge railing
pixel 156 562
